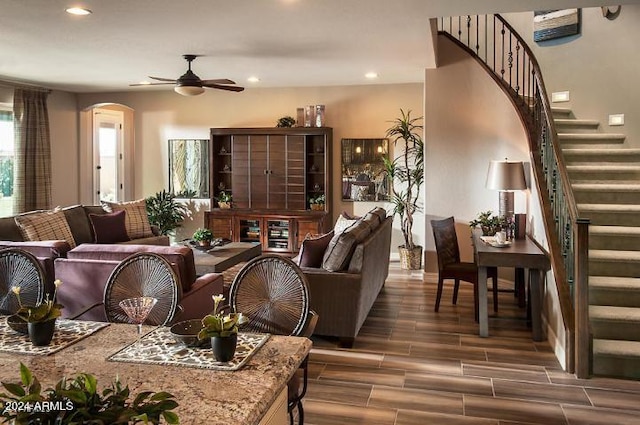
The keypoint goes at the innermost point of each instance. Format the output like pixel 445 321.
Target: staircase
pixel 605 177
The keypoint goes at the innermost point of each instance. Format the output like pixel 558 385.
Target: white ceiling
pixel 283 42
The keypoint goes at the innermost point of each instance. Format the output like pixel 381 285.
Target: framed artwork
pixel 551 24
pixel 189 168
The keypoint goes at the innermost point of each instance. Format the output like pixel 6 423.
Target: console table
pixel 254 394
pixel 522 253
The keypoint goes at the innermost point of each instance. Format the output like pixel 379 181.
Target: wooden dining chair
pixel 272 291
pixel 20 268
pixel 450 266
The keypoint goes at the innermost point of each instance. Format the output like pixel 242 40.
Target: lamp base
pixel 505 203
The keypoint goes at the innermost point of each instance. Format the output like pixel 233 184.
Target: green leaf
pixel 141 397
pixel 14 389
pixel 25 375
pixel 162 395
pixel 171 418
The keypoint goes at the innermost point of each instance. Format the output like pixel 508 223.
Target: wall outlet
pixel 560 96
pixel 617 119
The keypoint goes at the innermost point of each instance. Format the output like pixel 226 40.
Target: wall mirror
pixel 363 174
pixel 189 168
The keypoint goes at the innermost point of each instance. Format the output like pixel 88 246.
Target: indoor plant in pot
pixel 489 223
pixel 78 400
pixel 222 329
pixel 317 203
pixel 165 212
pixel 41 319
pixel 203 236
pixel 224 200
pixel 406 172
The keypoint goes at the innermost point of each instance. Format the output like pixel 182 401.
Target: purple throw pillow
pixel 110 227
pixel 312 250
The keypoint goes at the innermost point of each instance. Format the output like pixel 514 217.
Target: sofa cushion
pixel 136 219
pixel 110 227
pixel 9 230
pixel 312 250
pixel 342 223
pixel 380 212
pixel 45 226
pixel 79 224
pixel 342 245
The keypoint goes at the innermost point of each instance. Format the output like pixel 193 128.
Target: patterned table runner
pixel 67 332
pixel 159 347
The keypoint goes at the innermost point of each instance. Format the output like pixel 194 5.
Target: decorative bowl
pixel 17 324
pixel 186 332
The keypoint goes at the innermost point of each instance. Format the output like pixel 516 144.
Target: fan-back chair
pixel 272 292
pixel 23 270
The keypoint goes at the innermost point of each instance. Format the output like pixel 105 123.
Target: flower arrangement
pixel 83 403
pixel 224 199
pixel 45 311
pixel 317 203
pixel 218 324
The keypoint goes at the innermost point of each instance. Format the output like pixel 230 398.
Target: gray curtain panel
pixel 32 169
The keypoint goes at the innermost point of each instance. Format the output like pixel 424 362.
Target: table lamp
pixel 506 176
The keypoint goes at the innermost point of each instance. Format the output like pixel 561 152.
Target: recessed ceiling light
pixel 80 11
pixel 371 75
pixel 253 79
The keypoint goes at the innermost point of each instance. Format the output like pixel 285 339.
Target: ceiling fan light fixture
pixel 189 90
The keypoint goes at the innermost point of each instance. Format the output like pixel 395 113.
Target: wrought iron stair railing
pixel 511 63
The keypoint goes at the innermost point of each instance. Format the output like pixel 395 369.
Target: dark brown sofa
pixel 343 299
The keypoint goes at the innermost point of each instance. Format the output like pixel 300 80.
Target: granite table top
pixel 204 396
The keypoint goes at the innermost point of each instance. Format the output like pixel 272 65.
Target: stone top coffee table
pixel 220 258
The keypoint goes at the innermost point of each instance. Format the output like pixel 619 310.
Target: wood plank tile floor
pixel 412 366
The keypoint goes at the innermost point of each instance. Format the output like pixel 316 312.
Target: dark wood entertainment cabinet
pixel 271 174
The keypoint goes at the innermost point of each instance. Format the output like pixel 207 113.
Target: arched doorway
pixel 106 152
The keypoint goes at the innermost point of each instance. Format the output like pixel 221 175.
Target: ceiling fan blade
pixel 223 87
pixel 151 84
pixel 162 79
pixel 218 81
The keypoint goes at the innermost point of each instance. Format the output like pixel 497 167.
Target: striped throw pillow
pixel 136 218
pixel 45 226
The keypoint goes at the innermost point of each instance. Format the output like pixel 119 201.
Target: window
pixel 6 162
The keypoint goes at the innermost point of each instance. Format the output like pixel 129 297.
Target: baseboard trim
pixel 557 346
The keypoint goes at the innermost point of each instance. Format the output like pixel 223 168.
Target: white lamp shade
pixel 189 90
pixel 506 175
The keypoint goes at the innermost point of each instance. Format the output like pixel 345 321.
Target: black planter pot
pixel 224 347
pixel 41 333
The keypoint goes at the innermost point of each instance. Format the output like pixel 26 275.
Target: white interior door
pixel 108 159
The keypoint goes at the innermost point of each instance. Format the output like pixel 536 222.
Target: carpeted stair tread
pixel 614 230
pixel 570 122
pixel 614 314
pixel 608 167
pixel 613 208
pixel 561 111
pixel 592 136
pixel 613 255
pixel 608 347
pixel 611 186
pixel 614 283
pixel 600 152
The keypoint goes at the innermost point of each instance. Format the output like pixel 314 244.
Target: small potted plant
pixel 83 402
pixel 41 319
pixel 489 223
pixel 203 236
pixel 224 200
pixel 317 203
pixel 222 329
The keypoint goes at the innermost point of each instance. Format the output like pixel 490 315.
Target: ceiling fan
pixel 189 84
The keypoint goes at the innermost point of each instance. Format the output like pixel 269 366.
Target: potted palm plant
pixel 165 212
pixel 406 172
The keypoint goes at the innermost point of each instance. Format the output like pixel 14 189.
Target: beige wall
pixel 600 67
pixel 352 111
